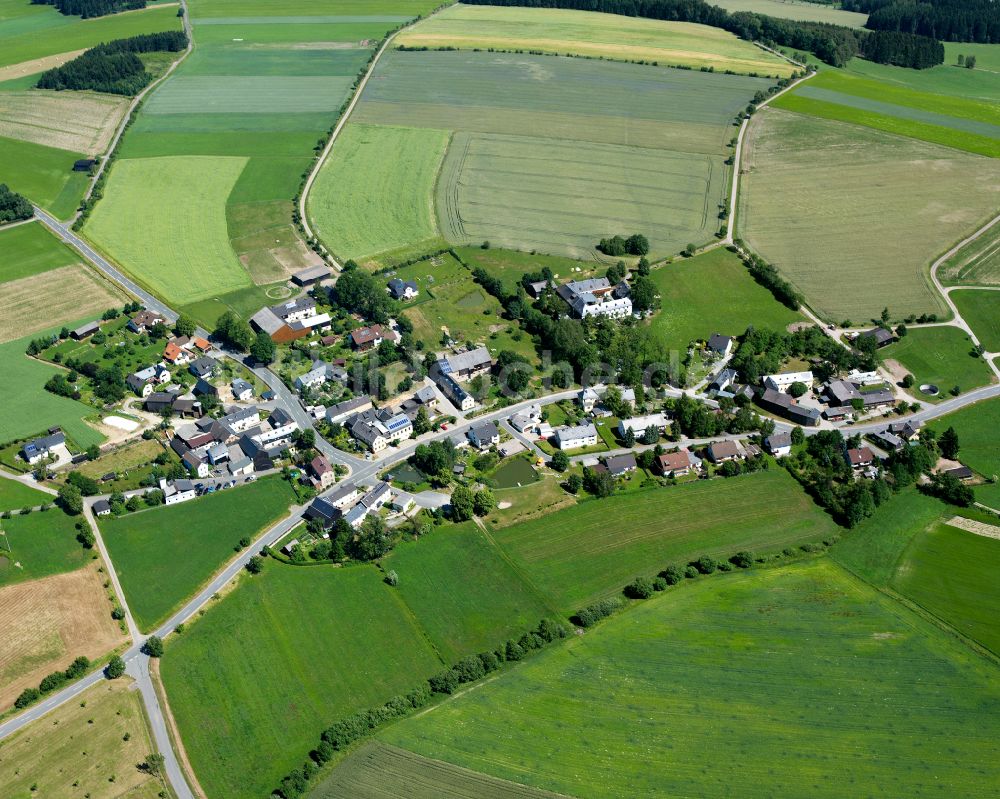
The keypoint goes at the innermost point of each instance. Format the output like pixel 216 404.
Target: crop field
pixel 38 545
pixel 182 200
pixel 942 356
pixel 584 172
pixel 163 555
pixel 86 748
pixel 981 309
pixel 377 770
pixel 15 495
pixel 30 31
pixel 575 556
pixel 237 94
pixel 596 35
pixel 74 121
pixel 750 668
pixel 50 621
pixel 42 174
pixel 714 286
pixel 376 191
pixel 30 249
pixel 977 263
pixel 64 293
pixel 466 596
pixel 307 657
pixel 978 428
pixel 795 9
pixel 870 208
pixel 951 573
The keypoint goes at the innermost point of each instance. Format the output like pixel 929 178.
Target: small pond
pixel 405 473
pixel 517 472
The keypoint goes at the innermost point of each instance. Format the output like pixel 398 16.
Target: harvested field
pixel 824 198
pixel 63 293
pixel 784 663
pixel 37 65
pixel 82 122
pixel 596 35
pixel 378 771
pixel 796 9
pixel 172 195
pixel 87 748
pixel 48 622
pixel 977 263
pixel 981 309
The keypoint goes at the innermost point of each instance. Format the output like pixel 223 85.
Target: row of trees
pixel 769 278
pixel 53 681
pixel 91 8
pixel 112 67
pixel 949 20
pixel 13 207
pixel 617 246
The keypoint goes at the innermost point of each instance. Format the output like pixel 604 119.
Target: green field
pixel 164 555
pixel 378 771
pixel 575 556
pixel 510 265
pixel 466 596
pixel 28 409
pixel 596 35
pixel 952 574
pixel 367 202
pixel 751 684
pixel 978 428
pixel 37 545
pixel 35 31
pixel 286 654
pixel 29 250
pixel 715 291
pixel 43 174
pixel 869 209
pixel 942 356
pixel 795 9
pixel 981 309
pixel 182 201
pixel 15 495
pixel 977 263
pixel 538 165
pixel 237 94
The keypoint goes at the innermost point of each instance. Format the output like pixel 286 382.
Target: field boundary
pixel 173 733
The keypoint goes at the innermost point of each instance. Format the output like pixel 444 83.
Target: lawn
pixel 29 250
pixel 43 174
pixel 743 670
pixel 510 265
pixel 29 409
pixel 952 574
pixel 15 495
pixel 182 202
pixel 164 555
pixel 377 770
pixel 715 286
pixel 282 657
pixel 89 747
pixel 978 262
pixel 538 166
pixel 39 544
pixel 591 34
pixel 576 556
pixel 941 356
pixel 981 309
pixel 870 208
pixel 376 191
pixel 796 9
pixel 462 590
pixel 978 428
pixel 531 501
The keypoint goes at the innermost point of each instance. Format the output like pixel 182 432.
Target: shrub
pixel 672 575
pixel 153 646
pixel 742 560
pixel 690 572
pixel 590 615
pixel 640 588
pixel 705 565
pixel 659 584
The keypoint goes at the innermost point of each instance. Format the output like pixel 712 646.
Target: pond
pixel 517 472
pixel 405 473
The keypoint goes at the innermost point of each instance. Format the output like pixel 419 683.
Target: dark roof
pixel 961 472
pixel 880 334
pixel 776 440
pixel 718 342
pixel 619 464
pixel 102 506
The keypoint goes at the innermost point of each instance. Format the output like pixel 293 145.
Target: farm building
pixel 597 297
pixel 311 276
pixel 457 395
pixel 466 365
pixel 85 330
pixel 783 405
pixel 785 380
pixel 881 336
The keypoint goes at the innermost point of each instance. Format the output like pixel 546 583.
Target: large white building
pixel 597 297
pixel 782 382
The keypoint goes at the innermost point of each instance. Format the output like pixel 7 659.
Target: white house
pixel 39 449
pixel 242 390
pixel 638 424
pixel 781 382
pixel 484 436
pixel 583 435
pixel 177 491
pixel 779 444
pixel 597 297
pixel 142 381
pixel 528 419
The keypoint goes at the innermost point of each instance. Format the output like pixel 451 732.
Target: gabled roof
pixel 672 461
pixel 619 464
pixel 718 343
pixel 860 456
pixel 723 449
pixel 484 432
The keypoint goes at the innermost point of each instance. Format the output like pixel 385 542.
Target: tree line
pixel 948 20
pixel 833 44
pixel 13 207
pixel 91 8
pixel 113 67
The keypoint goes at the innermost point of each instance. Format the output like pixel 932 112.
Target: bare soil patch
pixel 47 623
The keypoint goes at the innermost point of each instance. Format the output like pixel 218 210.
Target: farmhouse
pixel 583 435
pixel 366 338
pixel 639 424
pixel 52 445
pixel 372 501
pixel 881 336
pixel 783 381
pixel 859 458
pixel 195 464
pixel 311 276
pixel 720 345
pixel 484 436
pixel 85 330
pixel 142 382
pixel 673 464
pixel 840 392
pixel 402 290
pixel 466 365
pixel 144 321
pixel 242 390
pixel 342 411
pixel 722 451
pixel 290 320
pixel 597 297
pixel 783 405
pixel 779 444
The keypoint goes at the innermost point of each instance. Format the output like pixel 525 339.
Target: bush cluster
pixel 636 244
pixel 13 207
